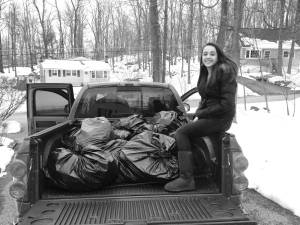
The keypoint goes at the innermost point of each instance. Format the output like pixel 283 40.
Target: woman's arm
pixel 226 103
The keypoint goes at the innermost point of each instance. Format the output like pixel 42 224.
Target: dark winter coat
pixel 218 97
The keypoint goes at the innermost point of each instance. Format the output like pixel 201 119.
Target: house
pixel 77 71
pixel 265 53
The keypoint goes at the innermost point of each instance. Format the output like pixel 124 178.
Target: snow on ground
pixel 6 155
pixel 7 127
pixel 269 140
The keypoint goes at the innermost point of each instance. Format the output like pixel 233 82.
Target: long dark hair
pixel 224 64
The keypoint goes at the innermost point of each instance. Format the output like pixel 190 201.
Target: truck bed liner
pixel 184 208
pixel 204 186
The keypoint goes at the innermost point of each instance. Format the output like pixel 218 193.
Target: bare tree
pixel 96 27
pixel 43 22
pixel 12 30
pixel 281 20
pixel 61 47
pixel 77 6
pixel 200 29
pixel 155 41
pixel 137 14
pixel 2 5
pixel 223 24
pixel 165 41
pixel 296 37
pixel 238 15
pixel 190 39
pixel 26 24
pixel 10 98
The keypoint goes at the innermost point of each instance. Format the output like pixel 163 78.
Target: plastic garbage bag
pixel 121 134
pixel 166 122
pixel 90 169
pixel 135 124
pixel 127 171
pixel 96 131
pixel 148 157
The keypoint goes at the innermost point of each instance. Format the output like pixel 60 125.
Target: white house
pixel 265 53
pixel 77 71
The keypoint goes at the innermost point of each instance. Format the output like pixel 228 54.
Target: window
pixel 115 102
pixel 51 103
pixel 267 54
pixel 78 73
pixel 253 54
pixel 64 73
pixel 54 72
pixel 93 74
pixel 59 73
pixel 285 54
pixel 68 72
pixel 105 74
pixel 50 73
pixel 74 73
pixel 99 74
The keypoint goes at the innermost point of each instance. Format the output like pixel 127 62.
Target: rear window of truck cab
pixel 122 101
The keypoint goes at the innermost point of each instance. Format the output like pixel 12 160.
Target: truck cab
pixel 52 110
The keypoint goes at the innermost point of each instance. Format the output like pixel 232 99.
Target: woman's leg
pixel 199 128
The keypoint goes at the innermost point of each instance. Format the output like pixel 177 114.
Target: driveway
pixel 262 87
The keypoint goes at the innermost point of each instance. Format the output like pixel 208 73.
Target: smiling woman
pixel 217 87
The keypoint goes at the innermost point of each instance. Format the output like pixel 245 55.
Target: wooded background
pixel 153 30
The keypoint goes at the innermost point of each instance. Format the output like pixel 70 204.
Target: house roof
pixel 81 59
pixel 265 44
pixel 271 34
pixel 75 65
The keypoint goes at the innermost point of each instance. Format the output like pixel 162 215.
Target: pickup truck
pixel 52 111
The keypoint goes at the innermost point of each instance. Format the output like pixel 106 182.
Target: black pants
pixel 199 128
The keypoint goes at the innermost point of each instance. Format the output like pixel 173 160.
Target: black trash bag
pixel 127 171
pixel 135 124
pixel 95 131
pixel 68 139
pixel 167 122
pixel 148 157
pixel 90 169
pixel 121 134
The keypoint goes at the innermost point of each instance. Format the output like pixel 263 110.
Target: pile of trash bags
pixel 100 153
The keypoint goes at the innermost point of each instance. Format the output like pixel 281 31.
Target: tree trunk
pixel 190 39
pixel 155 41
pixel 296 37
pixel 165 42
pixel 279 57
pixel 1 58
pixel 61 34
pixel 41 16
pixel 238 15
pixel 200 30
pixel 223 24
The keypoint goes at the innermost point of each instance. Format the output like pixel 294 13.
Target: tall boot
pixel 185 181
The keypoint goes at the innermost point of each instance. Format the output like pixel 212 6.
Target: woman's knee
pixel 181 132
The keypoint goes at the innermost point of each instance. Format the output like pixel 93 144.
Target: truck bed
pixel 136 204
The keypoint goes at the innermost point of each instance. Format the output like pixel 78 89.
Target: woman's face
pixel 209 56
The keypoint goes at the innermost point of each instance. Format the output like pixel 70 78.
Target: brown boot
pixel 185 181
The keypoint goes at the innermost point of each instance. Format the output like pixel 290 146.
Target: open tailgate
pixel 137 210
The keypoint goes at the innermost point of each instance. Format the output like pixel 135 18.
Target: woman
pixel 217 87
